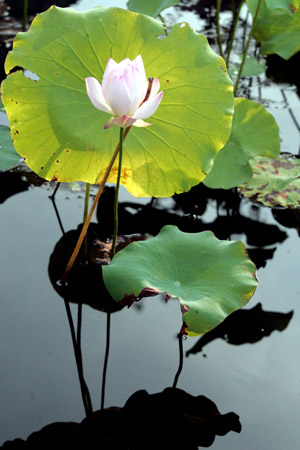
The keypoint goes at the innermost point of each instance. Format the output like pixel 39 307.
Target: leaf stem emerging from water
pixel 25 14
pixel 180 337
pixel 236 20
pixel 218 27
pixel 246 48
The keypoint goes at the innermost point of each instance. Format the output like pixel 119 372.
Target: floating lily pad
pixel 8 155
pixel 152 8
pixel 254 132
pixel 275 182
pixel 210 278
pixel 60 133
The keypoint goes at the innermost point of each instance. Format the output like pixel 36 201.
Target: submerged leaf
pixel 275 182
pixel 209 277
pixel 254 132
pixel 58 130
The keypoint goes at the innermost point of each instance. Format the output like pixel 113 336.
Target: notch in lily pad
pixel 209 277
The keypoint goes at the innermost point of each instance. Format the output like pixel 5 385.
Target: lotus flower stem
pixel 113 249
pixel 116 224
pixel 246 47
pixel 93 207
pixel 236 20
pixel 180 337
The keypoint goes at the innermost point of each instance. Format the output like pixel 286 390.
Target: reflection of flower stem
pixel 180 336
pixel 218 27
pixel 77 350
pixel 90 215
pixel 246 48
pixel 236 20
pixel 113 248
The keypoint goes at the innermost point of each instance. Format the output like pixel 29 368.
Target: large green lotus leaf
pixel 210 278
pixel 60 133
pixel 277 26
pixel 254 132
pixel 152 8
pixel 275 182
pixel 231 168
pixel 277 7
pixel 8 155
pixel 279 34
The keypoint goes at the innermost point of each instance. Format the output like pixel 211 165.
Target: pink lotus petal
pixel 122 65
pixel 140 66
pixel 94 91
pixel 109 123
pixel 119 95
pixel 140 123
pixel 110 66
pixel 155 87
pixel 148 108
pixel 123 122
pixel 134 81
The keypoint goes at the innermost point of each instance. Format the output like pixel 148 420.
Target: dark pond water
pixel 254 370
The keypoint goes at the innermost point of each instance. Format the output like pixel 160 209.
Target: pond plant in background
pixel 126 64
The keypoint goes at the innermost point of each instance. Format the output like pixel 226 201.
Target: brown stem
pixel 90 215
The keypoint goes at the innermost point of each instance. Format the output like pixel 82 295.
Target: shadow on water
pixel 145 422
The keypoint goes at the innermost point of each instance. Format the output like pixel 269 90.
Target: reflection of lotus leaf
pixel 275 182
pixel 58 130
pixel 155 416
pixel 209 277
pixel 245 326
pixel 254 132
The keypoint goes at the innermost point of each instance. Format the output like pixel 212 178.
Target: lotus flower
pixel 125 93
